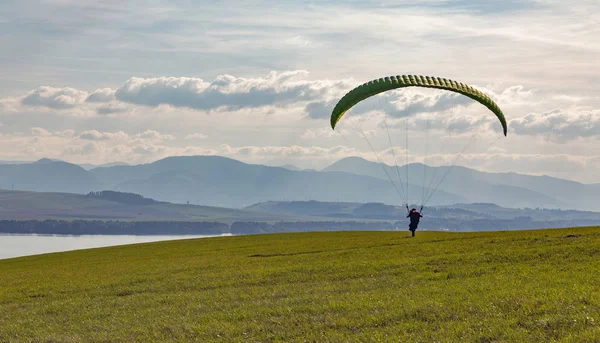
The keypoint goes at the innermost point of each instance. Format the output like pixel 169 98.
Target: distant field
pixel 519 286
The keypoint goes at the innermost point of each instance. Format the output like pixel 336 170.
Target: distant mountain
pixel 505 189
pixel 291 167
pixel 14 162
pixel 220 181
pixel 226 182
pixel 47 175
pixel 88 166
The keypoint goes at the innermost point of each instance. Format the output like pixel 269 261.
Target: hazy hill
pixel 47 175
pixel 505 189
pixel 89 166
pixel 225 182
pixel 20 205
pixel 291 167
pixel 219 181
pixel 384 211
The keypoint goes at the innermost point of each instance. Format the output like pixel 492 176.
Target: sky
pixel 90 81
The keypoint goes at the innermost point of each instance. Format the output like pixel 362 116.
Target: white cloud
pixel 111 109
pixel 559 124
pixel 101 95
pixel 226 91
pixel 195 136
pixel 8 105
pixel 327 132
pixel 83 150
pixel 66 133
pixel 152 135
pixel 260 153
pixel 299 41
pixel 40 132
pixel 512 96
pixel 149 150
pixel 148 135
pixel 568 98
pixel 56 98
pixel 95 135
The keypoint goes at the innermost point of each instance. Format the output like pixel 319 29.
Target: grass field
pixel 524 286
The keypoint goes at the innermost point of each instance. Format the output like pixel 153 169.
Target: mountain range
pixel 504 189
pixel 220 181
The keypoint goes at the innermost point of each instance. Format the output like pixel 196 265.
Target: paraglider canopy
pixel 377 86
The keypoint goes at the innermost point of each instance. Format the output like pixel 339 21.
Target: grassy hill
pixel 519 286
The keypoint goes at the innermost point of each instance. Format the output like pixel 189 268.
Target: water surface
pixel 24 245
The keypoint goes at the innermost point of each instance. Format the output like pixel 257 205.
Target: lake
pixel 24 245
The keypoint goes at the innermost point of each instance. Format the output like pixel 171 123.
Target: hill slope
pixel 535 286
pixel 34 205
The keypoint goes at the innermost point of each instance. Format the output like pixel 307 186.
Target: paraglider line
pixel 406 122
pixel 469 143
pixel 378 159
pixel 424 165
pixel 394 154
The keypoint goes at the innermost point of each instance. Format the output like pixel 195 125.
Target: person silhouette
pixel 414 216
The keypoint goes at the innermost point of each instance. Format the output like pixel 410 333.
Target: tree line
pixel 100 227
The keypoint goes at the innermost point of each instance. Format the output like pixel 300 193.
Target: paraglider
pixel 381 85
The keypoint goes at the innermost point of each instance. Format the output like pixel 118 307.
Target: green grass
pixel 520 286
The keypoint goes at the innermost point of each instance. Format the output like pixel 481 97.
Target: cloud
pixel 226 91
pixel 8 105
pixel 195 136
pixel 568 98
pixel 320 109
pixel 101 95
pixel 289 89
pixel 111 109
pixel 324 133
pixel 40 132
pixel 94 135
pixel 66 133
pixel 148 135
pixel 56 98
pixel 149 150
pixel 263 152
pixel 298 41
pixel 401 103
pixel 85 149
pixel 559 124
pixel 153 136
